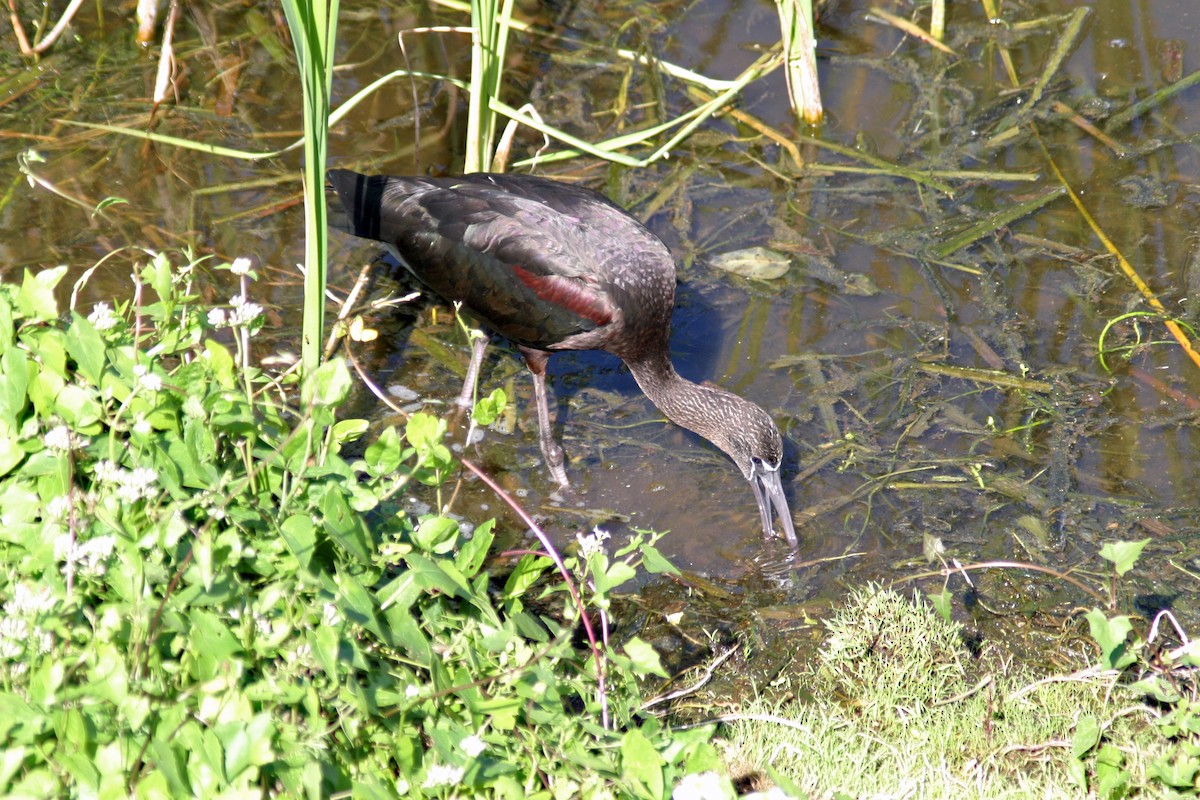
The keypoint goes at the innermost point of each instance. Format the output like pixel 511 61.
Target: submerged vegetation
pixel 215 581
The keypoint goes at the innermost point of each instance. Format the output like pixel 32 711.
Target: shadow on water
pixel 930 395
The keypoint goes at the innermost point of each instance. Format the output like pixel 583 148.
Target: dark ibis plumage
pixel 552 266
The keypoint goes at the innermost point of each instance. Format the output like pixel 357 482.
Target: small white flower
pixel 147 378
pixel 402 787
pixel 14 632
pixel 216 317
pixel 133 486
pixel 443 775
pixel 42 641
pixel 472 745
pixel 240 266
pixel 88 558
pixel 591 544
pixel 29 602
pixel 244 312
pixel 58 508
pixel 107 471
pixel 411 691
pixel 700 786
pixel 141 425
pixel 330 616
pixel 94 553
pixel 775 793
pixel 102 317
pixel 61 438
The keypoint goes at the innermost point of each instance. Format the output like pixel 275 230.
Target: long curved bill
pixel 768 491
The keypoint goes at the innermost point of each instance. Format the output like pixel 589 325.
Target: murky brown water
pixel 895 448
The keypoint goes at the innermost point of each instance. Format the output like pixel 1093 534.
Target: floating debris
pixel 760 263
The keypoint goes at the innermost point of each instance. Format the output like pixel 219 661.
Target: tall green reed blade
pixel 800 57
pixel 490 24
pixel 313 24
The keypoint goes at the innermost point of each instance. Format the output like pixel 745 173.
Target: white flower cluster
pixel 241 313
pixel 240 266
pixel 146 378
pixel 700 786
pixel 472 745
pixel 102 317
pixel 17 634
pixel 443 775
pixel 63 439
pixel 88 558
pixel 591 544
pixel 132 485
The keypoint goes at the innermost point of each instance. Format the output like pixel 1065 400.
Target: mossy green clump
pixel 898 706
pixel 884 653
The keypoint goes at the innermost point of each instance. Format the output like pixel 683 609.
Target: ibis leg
pixel 536 360
pixel 467 395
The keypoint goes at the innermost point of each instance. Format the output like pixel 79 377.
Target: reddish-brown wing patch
pixel 568 293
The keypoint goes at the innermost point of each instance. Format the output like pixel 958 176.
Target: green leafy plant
pixel 203 596
pixel 1166 678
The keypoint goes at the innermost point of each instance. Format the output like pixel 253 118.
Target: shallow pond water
pixel 863 350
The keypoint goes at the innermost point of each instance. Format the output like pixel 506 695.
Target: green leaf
pixel 78 406
pixel 345 526
pixel 606 577
pixel 211 642
pixel 36 297
pixel 299 534
pixel 1077 773
pixel 1087 736
pixel 324 644
pixel 158 274
pixel 385 454
pixel 490 407
pixel 1154 686
pixel 1123 555
pixel 1110 634
pixel 104 204
pixel 221 362
pixel 436 534
pixel 641 763
pixel 248 746
pixel 528 570
pixel 14 369
pixel 349 430
pixel 50 347
pixel 941 603
pixel 76 763
pixel 644 658
pixel 7 332
pixel 437 576
pixel 656 563
pixel 1180 773
pixel 19 717
pixel 330 385
pixel 475 550
pixel 358 604
pixel 1111 779
pixel 11 453
pixel 85 345
pixel 425 433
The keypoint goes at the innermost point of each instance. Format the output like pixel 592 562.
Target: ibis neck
pixel 689 405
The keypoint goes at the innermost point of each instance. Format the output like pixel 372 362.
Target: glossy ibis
pixel 552 266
